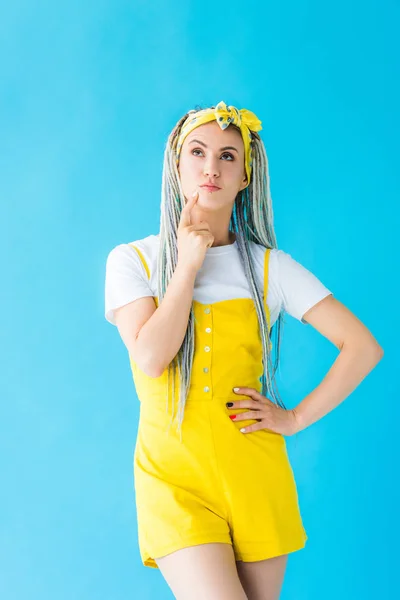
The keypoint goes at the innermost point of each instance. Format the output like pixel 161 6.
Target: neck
pixel 224 240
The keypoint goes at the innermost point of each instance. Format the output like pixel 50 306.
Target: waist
pixel 197 393
pixel 206 385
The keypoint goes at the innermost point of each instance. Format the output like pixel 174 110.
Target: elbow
pixel 150 366
pixel 145 359
pixel 379 352
pixel 378 355
pixel 371 350
pixel 374 352
pixel 153 371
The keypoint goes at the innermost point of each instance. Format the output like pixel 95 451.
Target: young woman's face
pixel 210 153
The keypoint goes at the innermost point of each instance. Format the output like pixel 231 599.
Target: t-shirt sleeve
pixel 125 280
pixel 299 288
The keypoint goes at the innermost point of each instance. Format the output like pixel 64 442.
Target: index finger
pixel 185 214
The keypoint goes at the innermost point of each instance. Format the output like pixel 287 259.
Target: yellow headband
pixel 224 115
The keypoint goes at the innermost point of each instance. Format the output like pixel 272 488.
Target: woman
pixel 196 306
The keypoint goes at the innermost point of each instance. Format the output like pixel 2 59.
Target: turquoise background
pixel 89 93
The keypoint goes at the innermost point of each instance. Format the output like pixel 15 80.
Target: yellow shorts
pixel 217 485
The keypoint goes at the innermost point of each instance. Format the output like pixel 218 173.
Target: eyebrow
pixel 223 148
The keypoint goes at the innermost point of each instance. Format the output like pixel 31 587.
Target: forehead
pixel 212 135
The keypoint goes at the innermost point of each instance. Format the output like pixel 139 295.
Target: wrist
pixel 186 271
pixel 299 424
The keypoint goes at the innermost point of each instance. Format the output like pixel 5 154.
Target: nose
pixel 211 168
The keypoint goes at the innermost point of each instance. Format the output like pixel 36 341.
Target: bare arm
pixel 153 335
pixel 359 354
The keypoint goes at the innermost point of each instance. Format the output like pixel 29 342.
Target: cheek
pixel 187 168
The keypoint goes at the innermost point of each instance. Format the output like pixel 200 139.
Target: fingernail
pixel 232 417
pixel 194 193
pixel 229 403
pixel 236 389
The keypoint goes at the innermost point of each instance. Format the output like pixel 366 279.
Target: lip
pixel 210 188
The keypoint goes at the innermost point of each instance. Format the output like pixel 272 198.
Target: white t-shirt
pixel 291 286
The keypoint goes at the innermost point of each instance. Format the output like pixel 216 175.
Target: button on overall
pixel 216 484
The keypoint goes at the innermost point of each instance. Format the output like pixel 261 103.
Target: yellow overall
pixel 217 484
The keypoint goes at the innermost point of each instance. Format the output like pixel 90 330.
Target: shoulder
pixel 291 285
pixel 126 277
pixel 279 261
pixel 125 252
pixel 260 254
pixel 148 244
pixel 298 286
pixel 282 261
pixel 287 265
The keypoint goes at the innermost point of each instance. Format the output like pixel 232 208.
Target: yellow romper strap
pixel 266 271
pixel 142 258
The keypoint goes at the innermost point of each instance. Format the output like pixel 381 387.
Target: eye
pixel 224 154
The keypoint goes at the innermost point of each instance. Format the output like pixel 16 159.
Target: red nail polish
pixel 232 417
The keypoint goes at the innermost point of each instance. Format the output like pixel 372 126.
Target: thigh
pixel 202 571
pixel 262 579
